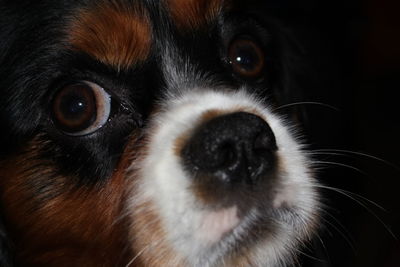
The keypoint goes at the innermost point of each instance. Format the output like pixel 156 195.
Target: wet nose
pixel 234 148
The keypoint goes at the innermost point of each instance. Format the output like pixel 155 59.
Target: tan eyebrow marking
pixel 113 33
pixel 194 13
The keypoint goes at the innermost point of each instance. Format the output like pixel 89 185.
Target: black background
pixel 354 47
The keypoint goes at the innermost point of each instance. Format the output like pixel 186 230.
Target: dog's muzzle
pixel 223 176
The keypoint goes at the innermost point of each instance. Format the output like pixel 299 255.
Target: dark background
pixel 354 50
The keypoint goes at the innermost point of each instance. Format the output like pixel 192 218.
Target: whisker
pixel 341 229
pixel 342 165
pixel 308 103
pixel 120 218
pixel 141 252
pixel 342 191
pixel 347 238
pixel 340 225
pixel 325 250
pixel 345 152
pixel 362 205
pixel 309 256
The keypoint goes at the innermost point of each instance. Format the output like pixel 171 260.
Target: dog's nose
pixel 234 148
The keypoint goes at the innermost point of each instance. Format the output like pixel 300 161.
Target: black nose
pixel 237 147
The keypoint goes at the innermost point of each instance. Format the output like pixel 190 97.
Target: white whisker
pixel 348 239
pixel 341 165
pixel 141 252
pixel 346 193
pixel 341 152
pixel 308 103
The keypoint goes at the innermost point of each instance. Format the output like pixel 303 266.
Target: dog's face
pixel 146 133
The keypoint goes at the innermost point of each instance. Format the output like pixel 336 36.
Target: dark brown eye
pixel 81 108
pixel 246 58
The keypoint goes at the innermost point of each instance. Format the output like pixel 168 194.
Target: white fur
pixel 184 218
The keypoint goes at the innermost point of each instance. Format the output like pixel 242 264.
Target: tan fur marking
pixel 149 238
pixel 56 223
pixel 113 33
pixel 192 14
pixel 150 241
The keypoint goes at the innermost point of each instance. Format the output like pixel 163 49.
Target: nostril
pixel 226 153
pixel 265 142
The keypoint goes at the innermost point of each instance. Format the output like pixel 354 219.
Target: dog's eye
pixel 81 108
pixel 246 57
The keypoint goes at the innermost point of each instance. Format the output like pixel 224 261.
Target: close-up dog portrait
pixel 197 133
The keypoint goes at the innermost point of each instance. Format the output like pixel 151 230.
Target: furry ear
pixel 5 247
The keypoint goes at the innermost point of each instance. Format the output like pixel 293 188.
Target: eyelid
pixel 248 25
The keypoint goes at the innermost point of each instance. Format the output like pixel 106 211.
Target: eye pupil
pixel 75 108
pixel 246 58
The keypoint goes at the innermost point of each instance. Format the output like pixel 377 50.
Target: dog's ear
pixel 5 247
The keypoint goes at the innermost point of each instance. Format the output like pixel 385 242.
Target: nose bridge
pixel 180 73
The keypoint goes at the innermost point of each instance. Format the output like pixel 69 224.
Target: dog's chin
pixel 257 237
pixel 193 216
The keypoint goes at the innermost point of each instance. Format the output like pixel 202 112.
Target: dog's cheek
pixel 148 236
pixel 51 218
pixel 149 242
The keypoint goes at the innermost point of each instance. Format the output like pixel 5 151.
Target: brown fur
pixel 73 226
pixel 149 241
pixel 192 14
pixel 113 33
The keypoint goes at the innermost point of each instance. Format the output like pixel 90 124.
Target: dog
pixel 149 133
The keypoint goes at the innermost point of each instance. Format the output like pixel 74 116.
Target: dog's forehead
pixel 189 14
pixel 116 33
pixel 120 33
